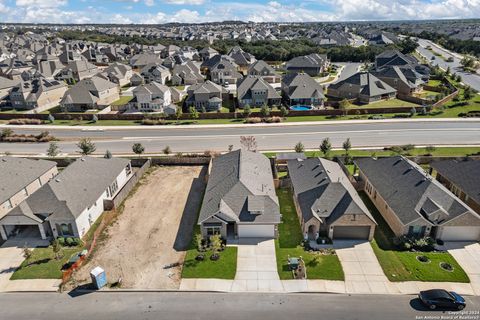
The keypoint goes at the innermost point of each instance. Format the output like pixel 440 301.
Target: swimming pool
pixel 300 108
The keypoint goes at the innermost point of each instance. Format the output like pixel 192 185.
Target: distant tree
pixel 138 148
pixel 408 45
pixel 53 150
pixel 284 111
pixel 413 112
pixel 249 143
pixel 467 62
pixel 343 106
pixel 167 150
pixel 86 146
pixel 265 110
pixel 178 113
pixel 299 147
pixel 7 132
pixel 107 155
pixel 247 111
pixel 193 113
pixel 326 147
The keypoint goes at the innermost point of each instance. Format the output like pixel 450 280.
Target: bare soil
pixel 153 231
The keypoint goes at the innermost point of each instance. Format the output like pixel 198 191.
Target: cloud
pixel 41 3
pixel 183 2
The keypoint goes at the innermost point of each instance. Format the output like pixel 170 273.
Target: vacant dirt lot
pixel 153 231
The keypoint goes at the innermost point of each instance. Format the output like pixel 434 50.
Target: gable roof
pixel 239 181
pixel 17 173
pixel 410 192
pixel 301 85
pixel 463 174
pixel 249 83
pixel 74 189
pixel 324 191
pixel 367 84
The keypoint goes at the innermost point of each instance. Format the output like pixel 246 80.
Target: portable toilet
pixel 99 278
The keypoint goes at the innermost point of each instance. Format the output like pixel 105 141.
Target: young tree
pixel 347 145
pixel 107 155
pixel 27 253
pixel 53 150
pixel 247 111
pixel 299 147
pixel 57 249
pixel 138 148
pixel 423 111
pixel 94 118
pixel 204 110
pixel 326 147
pixel 467 93
pixel 167 150
pixel 284 111
pixel 413 112
pixel 178 113
pixel 216 245
pixel 249 143
pixel 343 106
pixel 193 113
pixel 199 242
pixel 265 110
pixel 447 72
pixel 7 132
pixel 86 146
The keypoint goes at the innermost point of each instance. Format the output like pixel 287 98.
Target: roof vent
pixel 82 159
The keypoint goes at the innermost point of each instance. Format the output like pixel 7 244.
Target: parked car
pixel 439 298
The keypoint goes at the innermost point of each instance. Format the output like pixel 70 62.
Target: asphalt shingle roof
pixel 237 180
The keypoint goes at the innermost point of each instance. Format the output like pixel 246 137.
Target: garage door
pixel 351 232
pixel 460 234
pixel 256 231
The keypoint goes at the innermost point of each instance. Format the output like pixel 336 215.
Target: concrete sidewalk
pixel 363 275
pixel 241 125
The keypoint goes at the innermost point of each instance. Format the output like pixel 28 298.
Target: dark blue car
pixel 439 298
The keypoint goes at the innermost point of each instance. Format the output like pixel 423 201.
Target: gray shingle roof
pixel 302 86
pixel 77 187
pixel 464 174
pixel 410 192
pixel 324 191
pixel 249 83
pixel 17 173
pixel 237 180
pixel 368 84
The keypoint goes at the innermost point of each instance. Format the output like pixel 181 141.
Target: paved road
pixel 132 306
pixel 373 134
pixel 470 79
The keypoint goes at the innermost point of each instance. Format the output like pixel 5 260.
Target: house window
pixel 211 231
pixel 65 229
pixel 128 169
pixel 113 188
pixel 416 231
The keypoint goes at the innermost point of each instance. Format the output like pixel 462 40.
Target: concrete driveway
pixel 256 266
pixel 467 255
pixel 11 257
pixel 363 273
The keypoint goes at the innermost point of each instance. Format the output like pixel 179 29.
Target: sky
pixel 196 11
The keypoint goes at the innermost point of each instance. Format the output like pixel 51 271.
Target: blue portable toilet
pixel 99 278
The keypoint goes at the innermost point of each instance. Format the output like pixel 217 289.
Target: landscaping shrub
pixel 446 266
pixel 423 259
pixel 253 120
pixel 61 241
pixel 273 119
pixel 25 121
pixel 425 244
pixel 69 241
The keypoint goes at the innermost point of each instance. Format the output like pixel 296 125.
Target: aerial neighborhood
pixel 241 157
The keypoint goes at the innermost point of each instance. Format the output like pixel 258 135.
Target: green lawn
pixel 434 83
pixel 224 268
pixel 439 151
pixel 282 174
pixel 43 265
pixel 403 265
pixel 123 100
pixel 386 104
pixel 289 244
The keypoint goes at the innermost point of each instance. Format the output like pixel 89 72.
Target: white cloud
pixel 182 2
pixel 41 3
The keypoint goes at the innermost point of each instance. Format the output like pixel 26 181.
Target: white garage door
pixel 460 234
pixel 256 231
